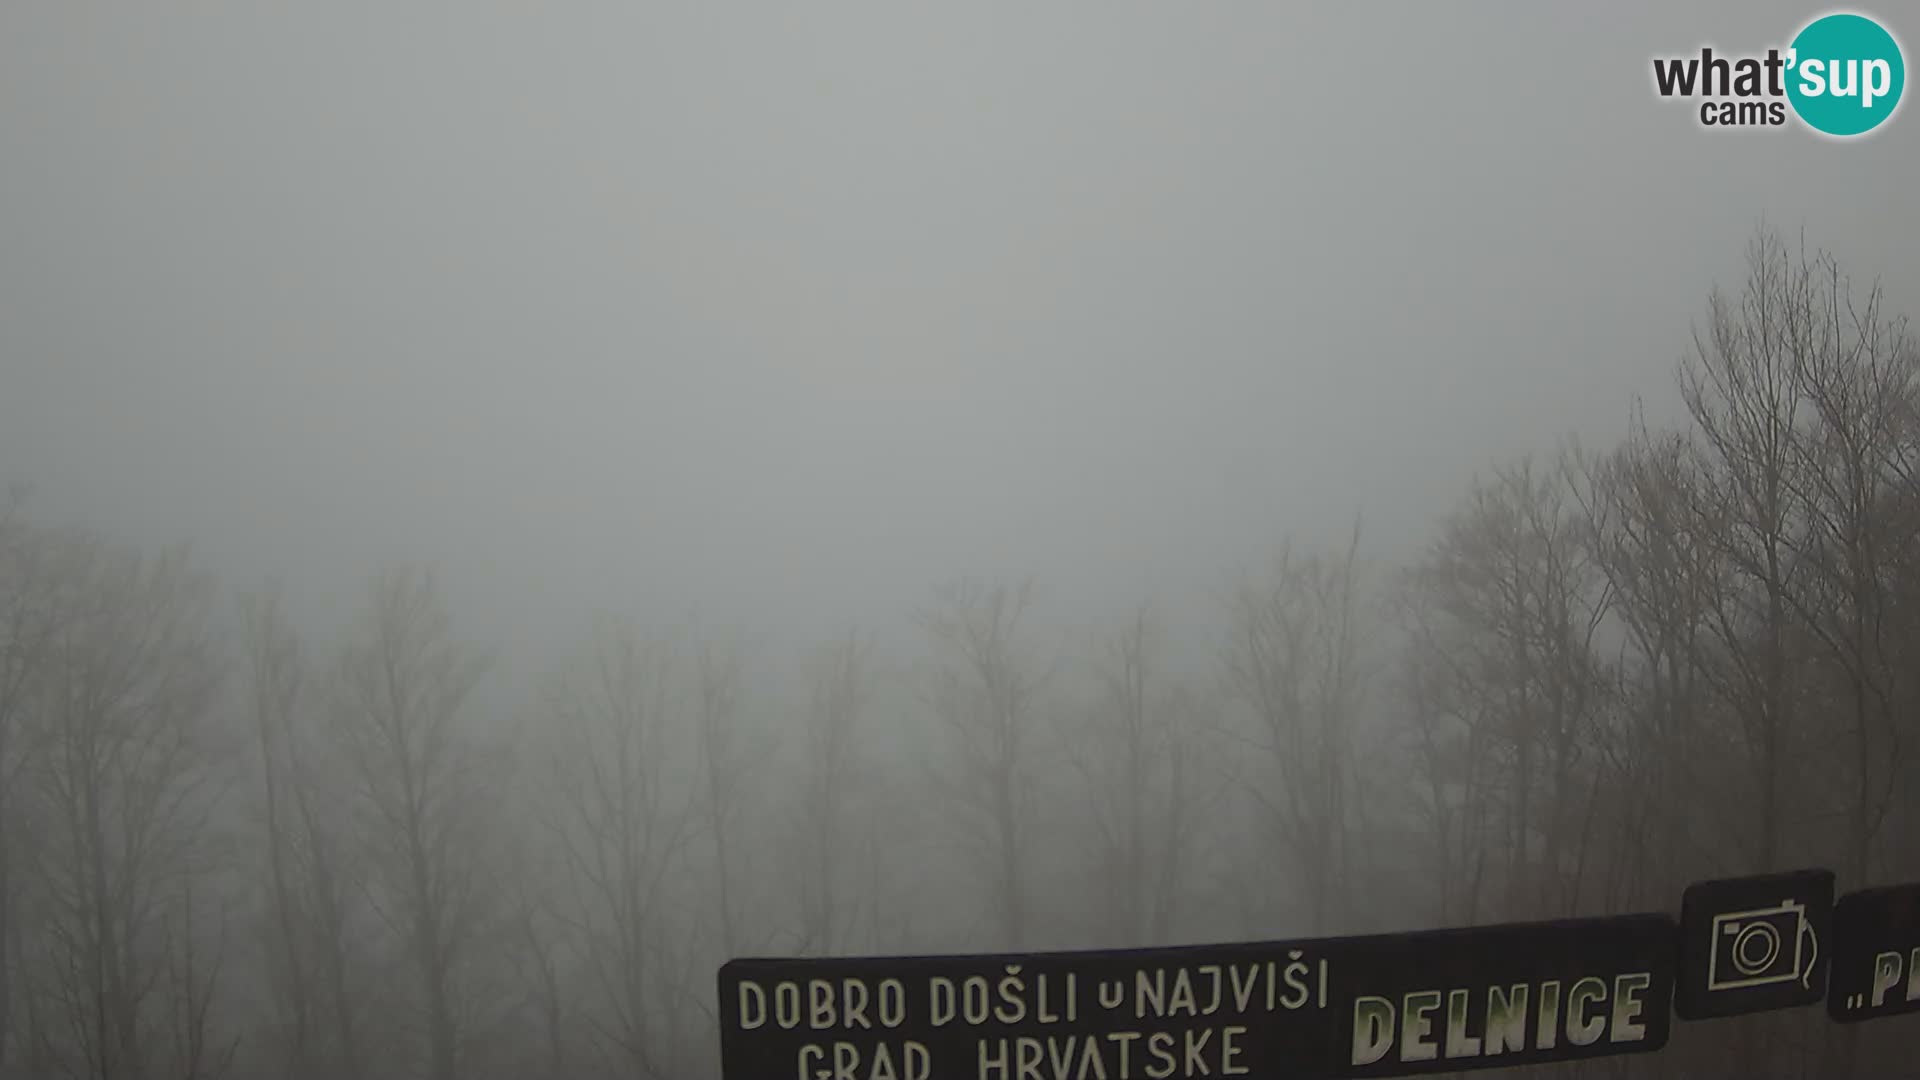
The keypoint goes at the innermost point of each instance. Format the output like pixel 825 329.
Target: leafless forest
pixel 232 849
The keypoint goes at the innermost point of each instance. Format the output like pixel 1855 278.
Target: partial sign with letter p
pixel 1876 954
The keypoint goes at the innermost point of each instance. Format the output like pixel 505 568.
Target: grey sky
pixel 792 312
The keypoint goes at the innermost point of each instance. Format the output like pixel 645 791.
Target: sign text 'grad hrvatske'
pixel 1381 1005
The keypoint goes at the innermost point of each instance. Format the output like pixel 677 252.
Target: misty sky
pixel 793 311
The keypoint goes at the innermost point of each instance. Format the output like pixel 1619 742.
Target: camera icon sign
pixel 1754 944
pixel 1762 947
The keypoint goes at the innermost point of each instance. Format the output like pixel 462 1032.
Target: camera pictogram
pixel 1762 947
pixel 1753 944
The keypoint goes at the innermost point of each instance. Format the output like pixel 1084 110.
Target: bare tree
pixel 309 897
pixel 340 996
pixel 621 825
pixel 1744 390
pixel 983 694
pixel 401 689
pixel 124 774
pixel 538 952
pixel 839 688
pixel 1639 503
pixel 1137 755
pixel 1450 734
pixel 1504 611
pixel 273 668
pixel 1858 372
pixel 27 624
pixel 196 1049
pixel 717 701
pixel 1293 657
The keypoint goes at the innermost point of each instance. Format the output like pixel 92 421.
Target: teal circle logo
pixel 1846 75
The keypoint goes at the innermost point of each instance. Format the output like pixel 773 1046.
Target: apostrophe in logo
pixel 1848 75
pixel 1842 75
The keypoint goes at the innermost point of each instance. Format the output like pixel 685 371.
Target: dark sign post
pixel 1876 954
pixel 1388 1005
pixel 1754 944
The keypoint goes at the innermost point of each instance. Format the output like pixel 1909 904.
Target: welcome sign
pixel 1440 1001
pixel 1384 1005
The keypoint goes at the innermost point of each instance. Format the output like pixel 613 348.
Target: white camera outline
pixel 1801 970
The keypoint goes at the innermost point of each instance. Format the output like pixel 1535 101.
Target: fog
pixel 761 326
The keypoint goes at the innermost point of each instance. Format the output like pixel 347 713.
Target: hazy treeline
pixel 230 848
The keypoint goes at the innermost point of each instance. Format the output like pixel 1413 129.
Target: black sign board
pixel 1753 944
pixel 1388 1005
pixel 1876 954
pixel 1497 996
